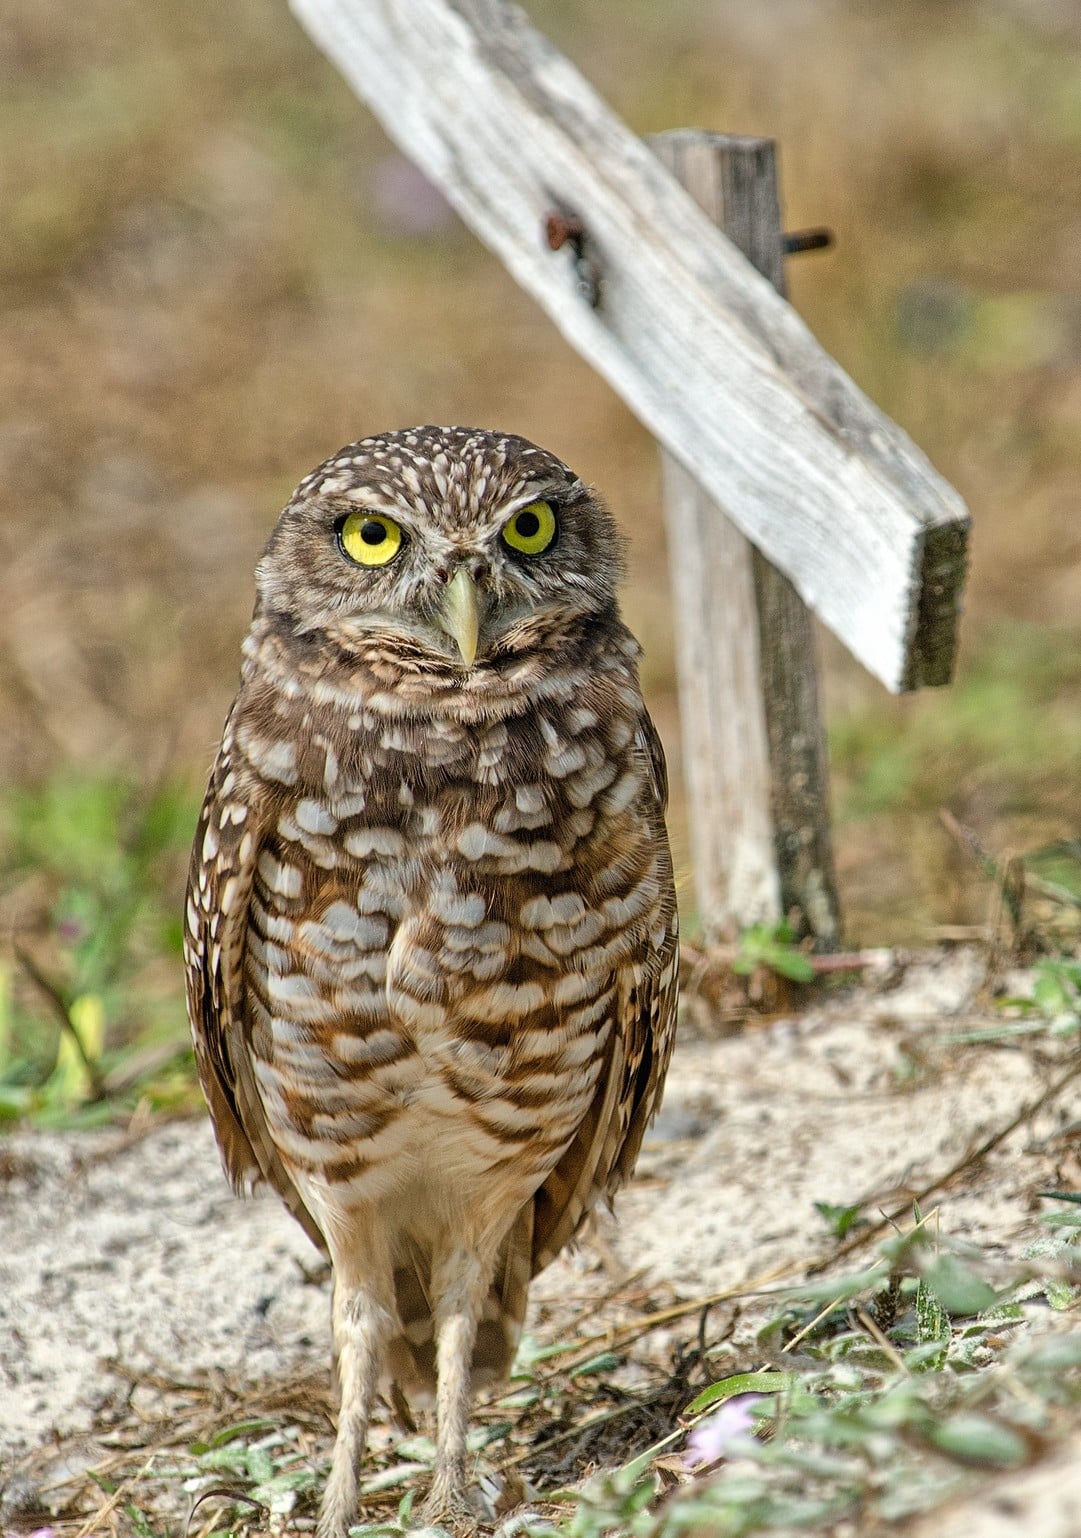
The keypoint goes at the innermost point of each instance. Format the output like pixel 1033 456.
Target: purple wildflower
pixel 712 1438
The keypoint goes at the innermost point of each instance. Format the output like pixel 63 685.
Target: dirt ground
pixel 127 1268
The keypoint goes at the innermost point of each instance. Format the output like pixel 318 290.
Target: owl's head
pixel 461 545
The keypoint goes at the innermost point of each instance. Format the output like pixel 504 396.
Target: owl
pixel 431 934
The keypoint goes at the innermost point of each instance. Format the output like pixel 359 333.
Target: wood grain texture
pixel 698 344
pixel 754 745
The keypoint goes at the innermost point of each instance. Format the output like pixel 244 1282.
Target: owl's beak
pixel 460 614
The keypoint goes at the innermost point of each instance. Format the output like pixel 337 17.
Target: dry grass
pixel 215 275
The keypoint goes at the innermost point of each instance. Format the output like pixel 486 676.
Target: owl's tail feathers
pixel 411 1356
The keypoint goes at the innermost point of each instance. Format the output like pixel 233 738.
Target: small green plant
pixel 1053 1007
pixel 1056 993
pixel 91 1002
pixel 839 1219
pixel 270 1470
pixel 616 1501
pixel 878 1406
pixel 774 947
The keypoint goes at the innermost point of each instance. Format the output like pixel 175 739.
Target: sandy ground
pixel 123 1254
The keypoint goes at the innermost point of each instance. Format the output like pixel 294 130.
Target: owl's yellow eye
pixel 532 529
pixel 369 539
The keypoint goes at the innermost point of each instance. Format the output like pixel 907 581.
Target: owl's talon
pixel 448 1507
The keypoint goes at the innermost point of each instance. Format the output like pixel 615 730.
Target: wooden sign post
pixel 754 743
pixel 709 356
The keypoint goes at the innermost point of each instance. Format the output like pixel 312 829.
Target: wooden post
pixel 753 740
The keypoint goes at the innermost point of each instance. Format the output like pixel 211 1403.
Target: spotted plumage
pixel 431 927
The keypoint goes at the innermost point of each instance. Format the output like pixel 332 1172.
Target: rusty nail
pixel 559 228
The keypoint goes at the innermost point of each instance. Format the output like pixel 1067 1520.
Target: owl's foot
pixel 448 1507
pixel 337 1514
pixel 338 1509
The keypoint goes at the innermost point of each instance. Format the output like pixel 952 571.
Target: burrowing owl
pixel 431 926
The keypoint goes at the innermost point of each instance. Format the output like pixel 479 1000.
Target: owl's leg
pixel 365 1318
pixel 460 1282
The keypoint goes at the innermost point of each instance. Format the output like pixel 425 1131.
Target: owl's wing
pixel 223 862
pixel 650 992
pixel 603 1153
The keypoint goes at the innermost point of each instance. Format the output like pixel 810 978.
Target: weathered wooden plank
pixel 699 345
pixel 754 748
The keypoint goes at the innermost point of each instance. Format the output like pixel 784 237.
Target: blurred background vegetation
pixel 216 271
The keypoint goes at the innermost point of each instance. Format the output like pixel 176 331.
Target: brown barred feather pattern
pixel 431 926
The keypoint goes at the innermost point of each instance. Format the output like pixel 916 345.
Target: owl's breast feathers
pixel 435 932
